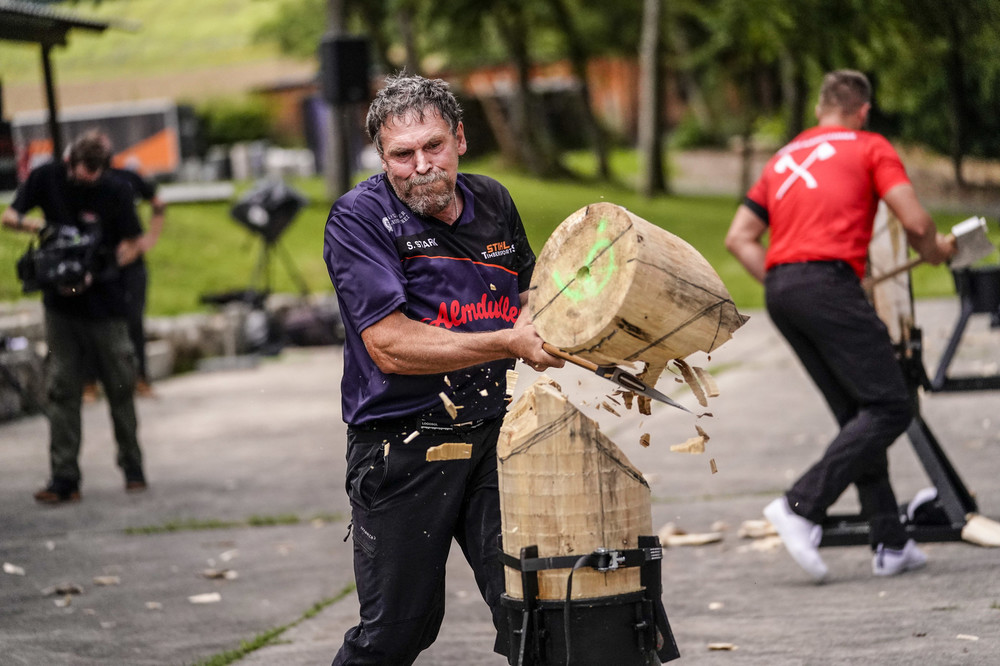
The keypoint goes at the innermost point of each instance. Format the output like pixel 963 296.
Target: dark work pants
pixel 405 512
pixel 71 340
pixel 136 279
pixel 822 311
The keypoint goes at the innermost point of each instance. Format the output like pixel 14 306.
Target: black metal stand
pixel 261 276
pixel 979 292
pixel 626 629
pixel 953 502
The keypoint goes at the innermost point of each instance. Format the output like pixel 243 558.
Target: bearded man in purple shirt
pixel 431 268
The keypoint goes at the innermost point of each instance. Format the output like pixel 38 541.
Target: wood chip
pixel 208 598
pixel 644 440
pixel 107 580
pixel 644 405
pixel 707 382
pixel 604 405
pixel 447 381
pixel 756 529
pixel 13 569
pixel 692 381
pixel 725 647
pixel 711 463
pixel 511 383
pixel 62 589
pixel 449 406
pixel 412 436
pixel 450 451
pixel 692 445
pixel 220 574
pixel 670 535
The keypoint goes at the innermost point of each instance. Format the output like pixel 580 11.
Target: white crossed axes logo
pixel 823 151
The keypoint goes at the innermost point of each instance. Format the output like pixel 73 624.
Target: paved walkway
pixel 252 446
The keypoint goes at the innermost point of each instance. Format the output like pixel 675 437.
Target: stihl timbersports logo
pixel 497 250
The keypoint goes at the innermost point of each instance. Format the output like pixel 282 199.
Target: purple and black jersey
pixel 467 276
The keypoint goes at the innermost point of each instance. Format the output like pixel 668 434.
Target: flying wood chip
pixel 450 451
pixel 604 405
pixel 449 406
pixel 692 381
pixel 644 440
pixel 707 382
pixel 511 383
pixel 693 445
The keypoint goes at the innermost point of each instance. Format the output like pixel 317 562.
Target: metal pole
pixel 338 159
pixel 50 96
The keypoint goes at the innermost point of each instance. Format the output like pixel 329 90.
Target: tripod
pixel 262 273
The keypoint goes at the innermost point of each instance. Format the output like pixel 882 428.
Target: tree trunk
pixel 652 177
pixel 404 18
pixel 578 57
pixel 338 160
pixel 793 88
pixel 957 106
pixel 537 149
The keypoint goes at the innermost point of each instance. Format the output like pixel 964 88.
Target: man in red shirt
pixel 817 198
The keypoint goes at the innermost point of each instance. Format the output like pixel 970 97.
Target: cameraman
pixel 85 317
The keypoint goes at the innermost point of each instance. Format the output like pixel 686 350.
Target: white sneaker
pixel 800 536
pixel 890 562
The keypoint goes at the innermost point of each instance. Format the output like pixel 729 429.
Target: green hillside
pixel 168 36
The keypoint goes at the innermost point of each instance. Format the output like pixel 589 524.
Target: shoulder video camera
pixel 65 256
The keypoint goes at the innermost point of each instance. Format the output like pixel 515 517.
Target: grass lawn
pixel 203 250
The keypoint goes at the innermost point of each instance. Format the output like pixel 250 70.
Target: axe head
pixel 971 242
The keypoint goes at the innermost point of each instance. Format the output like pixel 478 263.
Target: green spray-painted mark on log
pixel 588 282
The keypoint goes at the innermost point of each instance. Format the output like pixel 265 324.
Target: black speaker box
pixel 344 69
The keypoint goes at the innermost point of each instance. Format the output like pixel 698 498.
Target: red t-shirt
pixel 819 193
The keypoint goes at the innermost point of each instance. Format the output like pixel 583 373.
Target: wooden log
pixel 613 288
pixel 569 490
pixel 892 298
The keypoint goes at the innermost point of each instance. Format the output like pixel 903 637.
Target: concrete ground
pixel 255 457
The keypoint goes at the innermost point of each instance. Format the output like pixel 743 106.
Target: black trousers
pixel 405 512
pixel 136 279
pixel 821 309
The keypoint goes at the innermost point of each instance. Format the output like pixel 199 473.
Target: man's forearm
pixel 400 345
pixel 17 221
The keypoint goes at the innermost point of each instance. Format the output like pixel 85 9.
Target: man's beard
pixel 428 201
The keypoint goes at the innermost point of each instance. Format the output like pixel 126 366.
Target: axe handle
pixel 576 360
pixel 871 281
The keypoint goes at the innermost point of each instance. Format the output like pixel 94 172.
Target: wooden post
pixel 613 288
pixel 892 298
pixel 567 488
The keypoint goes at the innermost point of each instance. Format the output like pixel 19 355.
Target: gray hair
pixel 412 95
pixel 845 89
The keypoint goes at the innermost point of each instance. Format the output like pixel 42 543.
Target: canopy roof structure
pixel 46 26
